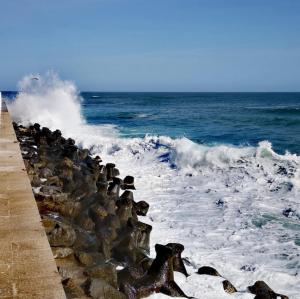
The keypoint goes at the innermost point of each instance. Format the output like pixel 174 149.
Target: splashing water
pixel 49 100
pixel 53 103
pixel 234 208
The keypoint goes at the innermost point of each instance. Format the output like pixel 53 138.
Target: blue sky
pixel 154 45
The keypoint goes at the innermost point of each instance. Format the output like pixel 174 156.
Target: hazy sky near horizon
pixel 156 45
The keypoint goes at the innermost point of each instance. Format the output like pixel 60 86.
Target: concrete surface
pixel 27 266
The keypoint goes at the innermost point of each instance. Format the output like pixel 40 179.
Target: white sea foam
pixel 47 100
pixel 234 208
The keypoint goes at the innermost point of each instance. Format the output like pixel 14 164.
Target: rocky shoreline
pixel 91 219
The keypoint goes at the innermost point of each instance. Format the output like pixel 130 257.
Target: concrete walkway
pixel 27 266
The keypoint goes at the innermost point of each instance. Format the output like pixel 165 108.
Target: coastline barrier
pixel 27 265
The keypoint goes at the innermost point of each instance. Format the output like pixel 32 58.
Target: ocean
pixel 238 119
pixel 221 172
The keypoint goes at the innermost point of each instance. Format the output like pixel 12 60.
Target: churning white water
pixel 234 208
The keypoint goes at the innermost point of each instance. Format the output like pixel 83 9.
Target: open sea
pixel 239 119
pixel 206 118
pixel 221 172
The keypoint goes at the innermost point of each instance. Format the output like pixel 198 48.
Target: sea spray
pixel 47 100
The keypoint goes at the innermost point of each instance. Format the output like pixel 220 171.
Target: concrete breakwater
pixel 27 266
pixel 101 247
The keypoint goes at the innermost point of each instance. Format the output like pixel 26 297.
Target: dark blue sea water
pixel 210 118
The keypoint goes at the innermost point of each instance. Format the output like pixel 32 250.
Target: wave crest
pixel 56 103
pixel 48 100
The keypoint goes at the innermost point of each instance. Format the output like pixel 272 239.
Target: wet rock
pixel 29 168
pixel 97 212
pixel 57 134
pixel 98 159
pixel 228 287
pixel 220 203
pixel 141 208
pixel 127 195
pixel 172 289
pixel 128 183
pixel 145 263
pixel 61 252
pixel 99 289
pixel 50 190
pixel 110 171
pixel 54 181
pixel 124 209
pixel 87 223
pixel 178 264
pixel 65 165
pixel 108 232
pixel 49 224
pixel 282 171
pixel 127 276
pixel 159 277
pixel 102 173
pixel 91 163
pixel 110 206
pixel 37 165
pixel 51 201
pixel 70 151
pixel 62 235
pixel 142 235
pixel 68 268
pixel 114 188
pixel 112 221
pixel 263 291
pixel 85 258
pixel 134 235
pixel 288 212
pixel 104 271
pixel 116 172
pixel 45 131
pixel 102 187
pixel 105 248
pixel 35 181
pixel 72 289
pixel 70 209
pixel 83 154
pixel 85 241
pixel 37 127
pixel 259 286
pixel 124 249
pixel 206 270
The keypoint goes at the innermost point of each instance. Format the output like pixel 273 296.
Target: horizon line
pixel 109 91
